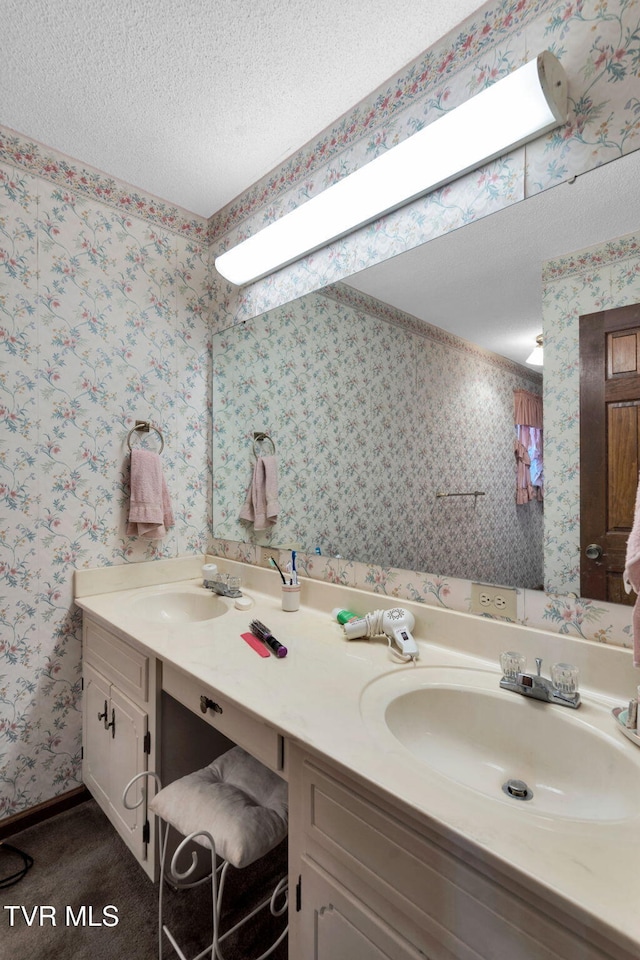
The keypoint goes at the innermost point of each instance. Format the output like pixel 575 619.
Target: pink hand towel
pixel 150 510
pixel 631 575
pixel 261 506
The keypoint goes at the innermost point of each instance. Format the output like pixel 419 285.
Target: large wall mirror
pixel 390 389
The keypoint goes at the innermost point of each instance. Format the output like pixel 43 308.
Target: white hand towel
pixel 150 510
pixel 261 506
pixel 631 576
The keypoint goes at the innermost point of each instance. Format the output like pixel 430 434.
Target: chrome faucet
pixel 224 586
pixel 562 689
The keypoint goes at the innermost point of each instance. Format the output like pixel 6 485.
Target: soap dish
pixel 620 713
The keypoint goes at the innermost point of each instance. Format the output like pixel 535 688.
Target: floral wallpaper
pixel 103 320
pixel 373 413
pixel 598 44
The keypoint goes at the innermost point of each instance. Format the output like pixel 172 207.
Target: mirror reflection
pixel 385 391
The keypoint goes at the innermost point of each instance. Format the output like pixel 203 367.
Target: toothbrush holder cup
pixel 291 597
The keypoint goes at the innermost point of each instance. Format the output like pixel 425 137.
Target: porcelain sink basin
pixel 177 606
pixel 460 725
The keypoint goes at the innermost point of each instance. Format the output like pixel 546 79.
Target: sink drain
pixel 517 789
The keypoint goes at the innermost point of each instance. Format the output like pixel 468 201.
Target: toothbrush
pixel 294 578
pixel 282 577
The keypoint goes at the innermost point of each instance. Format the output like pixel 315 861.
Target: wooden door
pixel 609 447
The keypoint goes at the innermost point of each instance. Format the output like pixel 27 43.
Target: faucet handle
pixel 564 677
pixel 512 663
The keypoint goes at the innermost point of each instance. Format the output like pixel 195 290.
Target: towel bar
pixel 144 426
pixel 260 437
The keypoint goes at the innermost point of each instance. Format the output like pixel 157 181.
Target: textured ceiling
pixel 196 100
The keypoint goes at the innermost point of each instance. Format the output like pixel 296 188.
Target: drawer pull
pixel 207 704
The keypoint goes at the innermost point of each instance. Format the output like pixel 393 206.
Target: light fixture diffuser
pixel 536 357
pixel 523 105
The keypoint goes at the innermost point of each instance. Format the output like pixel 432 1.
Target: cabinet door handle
pixel 207 704
pixel 112 724
pixel 103 716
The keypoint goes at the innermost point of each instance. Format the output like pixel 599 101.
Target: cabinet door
pixel 127 759
pixel 113 754
pixel 96 739
pixel 335 925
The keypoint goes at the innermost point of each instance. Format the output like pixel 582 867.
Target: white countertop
pixel 313 696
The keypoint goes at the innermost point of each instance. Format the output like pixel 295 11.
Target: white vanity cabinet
pixel 372 884
pixel 119 732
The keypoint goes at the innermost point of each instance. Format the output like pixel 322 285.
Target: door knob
pixel 593 551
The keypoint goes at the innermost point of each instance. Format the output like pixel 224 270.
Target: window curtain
pixel 527 416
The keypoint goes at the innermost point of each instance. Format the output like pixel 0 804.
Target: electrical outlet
pixel 276 550
pixel 494 601
pixel 265 553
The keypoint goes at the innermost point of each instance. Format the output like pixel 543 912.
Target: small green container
pixel 343 616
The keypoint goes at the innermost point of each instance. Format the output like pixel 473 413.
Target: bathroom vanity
pixel 401 842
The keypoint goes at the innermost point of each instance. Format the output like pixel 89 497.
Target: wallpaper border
pixel 39 160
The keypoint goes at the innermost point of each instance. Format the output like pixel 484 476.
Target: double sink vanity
pixel 403 842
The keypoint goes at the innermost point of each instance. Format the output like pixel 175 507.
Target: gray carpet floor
pixel 79 860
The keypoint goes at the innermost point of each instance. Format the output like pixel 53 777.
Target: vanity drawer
pixel 254 736
pixel 116 660
pixel 421 889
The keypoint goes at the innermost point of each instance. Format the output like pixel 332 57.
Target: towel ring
pixel 144 426
pixel 260 438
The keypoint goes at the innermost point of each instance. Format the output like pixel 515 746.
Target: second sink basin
pixel 177 606
pixel 461 725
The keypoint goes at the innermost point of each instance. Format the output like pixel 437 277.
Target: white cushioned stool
pixel 236 807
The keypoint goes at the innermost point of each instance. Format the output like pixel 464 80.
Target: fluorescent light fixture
pixel 536 357
pixel 523 105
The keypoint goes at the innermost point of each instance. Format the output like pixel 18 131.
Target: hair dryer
pixel 396 624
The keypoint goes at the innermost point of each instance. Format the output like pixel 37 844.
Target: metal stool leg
pixel 281 889
pixel 179 876
pixel 217 891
